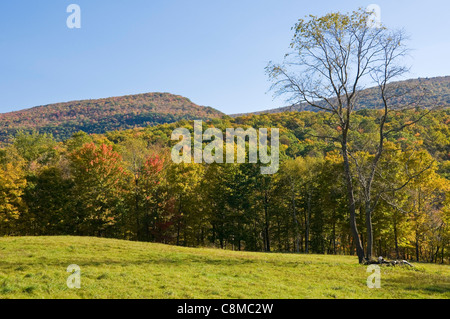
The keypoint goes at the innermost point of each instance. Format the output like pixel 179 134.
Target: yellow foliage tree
pixel 12 184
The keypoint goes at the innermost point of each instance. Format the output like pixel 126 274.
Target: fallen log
pixel 382 261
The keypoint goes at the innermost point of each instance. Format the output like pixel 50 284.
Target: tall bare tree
pixel 333 58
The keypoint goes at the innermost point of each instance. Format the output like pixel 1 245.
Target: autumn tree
pixel 155 198
pixel 12 185
pixel 98 176
pixel 423 202
pixel 134 152
pixel 333 58
pixel 183 184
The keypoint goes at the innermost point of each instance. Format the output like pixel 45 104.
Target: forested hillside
pixel 126 112
pixel 99 116
pixel 122 184
pixel 426 92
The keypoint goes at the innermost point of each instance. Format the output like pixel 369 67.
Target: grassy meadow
pixel 35 267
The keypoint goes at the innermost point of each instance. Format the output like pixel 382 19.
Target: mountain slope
pixel 125 112
pixel 437 94
pixel 99 116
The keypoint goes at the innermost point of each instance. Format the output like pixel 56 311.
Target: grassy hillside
pixel 102 115
pixel 426 92
pixel 35 267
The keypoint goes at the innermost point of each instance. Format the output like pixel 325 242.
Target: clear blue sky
pixel 211 51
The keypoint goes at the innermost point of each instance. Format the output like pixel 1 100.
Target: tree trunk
pixel 179 222
pixel 294 213
pixel 436 255
pixel 351 201
pixel 369 232
pixel 417 248
pixel 396 241
pixel 136 207
pixel 334 231
pixel 266 215
pixel 307 222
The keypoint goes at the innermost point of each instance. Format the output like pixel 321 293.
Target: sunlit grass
pixel 35 267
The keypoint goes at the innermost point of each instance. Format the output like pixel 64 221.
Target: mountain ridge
pixel 102 115
pixel 97 116
pixel 442 99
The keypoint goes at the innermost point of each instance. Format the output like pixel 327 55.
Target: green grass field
pixel 35 267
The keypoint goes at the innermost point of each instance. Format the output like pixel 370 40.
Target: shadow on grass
pixel 415 284
pixel 82 261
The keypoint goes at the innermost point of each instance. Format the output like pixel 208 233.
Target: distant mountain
pixel 426 92
pixel 150 109
pixel 102 115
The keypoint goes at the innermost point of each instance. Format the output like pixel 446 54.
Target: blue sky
pixel 213 52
